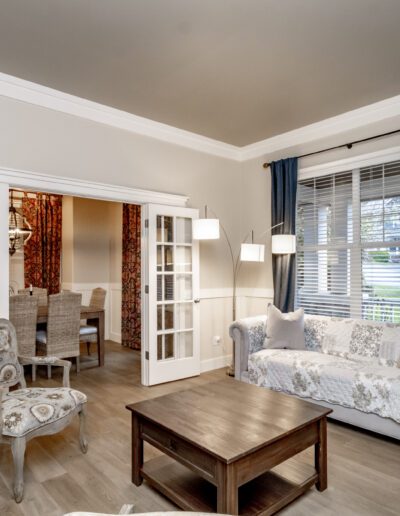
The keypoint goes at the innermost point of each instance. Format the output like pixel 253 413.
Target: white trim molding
pixel 49 98
pixel 90 189
pixel 355 119
pixel 210 364
pixel 38 95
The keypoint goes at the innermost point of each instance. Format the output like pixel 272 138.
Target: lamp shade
pixel 252 252
pixel 283 244
pixel 206 229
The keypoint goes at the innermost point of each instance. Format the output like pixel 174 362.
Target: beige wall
pixel 91 254
pixel 67 244
pixel 42 140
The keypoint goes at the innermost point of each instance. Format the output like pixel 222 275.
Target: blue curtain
pixel 283 209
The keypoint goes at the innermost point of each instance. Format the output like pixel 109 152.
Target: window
pixel 348 241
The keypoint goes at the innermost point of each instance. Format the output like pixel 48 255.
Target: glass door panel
pixel 184 316
pixel 185 344
pixel 183 258
pixel 183 287
pixel 183 230
pixel 172 274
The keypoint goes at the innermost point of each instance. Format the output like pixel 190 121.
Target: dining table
pixel 94 317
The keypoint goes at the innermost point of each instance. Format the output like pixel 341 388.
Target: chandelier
pixel 19 230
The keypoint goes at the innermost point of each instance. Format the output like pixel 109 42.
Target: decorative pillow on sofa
pixel 337 337
pixel 366 340
pixel 284 330
pixel 389 351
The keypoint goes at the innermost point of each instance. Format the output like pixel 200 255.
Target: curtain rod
pixel 347 145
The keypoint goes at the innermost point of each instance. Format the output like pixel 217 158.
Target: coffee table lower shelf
pixel 264 495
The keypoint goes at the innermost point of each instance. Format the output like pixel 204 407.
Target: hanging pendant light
pixel 19 230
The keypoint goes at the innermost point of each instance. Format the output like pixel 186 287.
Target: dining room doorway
pixel 39 182
pixel 82 245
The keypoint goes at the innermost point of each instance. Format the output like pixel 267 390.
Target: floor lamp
pixel 209 229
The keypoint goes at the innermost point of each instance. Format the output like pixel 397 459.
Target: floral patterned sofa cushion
pixel 26 410
pixel 365 386
pixel 360 340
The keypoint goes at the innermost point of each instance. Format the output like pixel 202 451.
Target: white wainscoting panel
pixel 215 313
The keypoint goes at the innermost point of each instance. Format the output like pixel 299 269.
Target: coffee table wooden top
pixel 229 419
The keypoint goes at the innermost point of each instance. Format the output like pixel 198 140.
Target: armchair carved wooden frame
pixel 26 413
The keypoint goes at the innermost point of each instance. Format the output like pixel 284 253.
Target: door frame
pixel 14 178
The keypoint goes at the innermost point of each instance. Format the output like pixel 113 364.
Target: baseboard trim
pixel 215 363
pixel 115 337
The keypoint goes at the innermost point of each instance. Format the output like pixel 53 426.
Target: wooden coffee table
pixel 220 442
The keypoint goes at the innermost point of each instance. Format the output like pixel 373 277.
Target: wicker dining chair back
pixel 63 325
pixel 98 298
pixel 23 315
pixel 40 293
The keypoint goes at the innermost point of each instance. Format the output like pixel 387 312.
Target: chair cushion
pixel 26 410
pixel 87 330
pixel 41 336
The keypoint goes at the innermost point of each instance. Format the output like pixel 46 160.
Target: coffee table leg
pixel 321 456
pixel 227 491
pixel 137 452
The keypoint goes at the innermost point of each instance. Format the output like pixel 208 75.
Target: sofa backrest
pixel 354 338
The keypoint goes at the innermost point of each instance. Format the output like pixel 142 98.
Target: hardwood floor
pixel 363 469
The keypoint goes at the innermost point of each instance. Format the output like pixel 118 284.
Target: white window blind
pixel 348 242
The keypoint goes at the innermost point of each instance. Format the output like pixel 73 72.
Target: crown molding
pixel 335 125
pixel 80 188
pixel 36 94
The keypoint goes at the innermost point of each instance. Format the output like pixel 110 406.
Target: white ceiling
pixel 238 71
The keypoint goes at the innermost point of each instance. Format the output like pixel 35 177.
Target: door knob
pixel 197 300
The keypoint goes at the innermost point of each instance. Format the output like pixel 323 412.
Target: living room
pixel 176 106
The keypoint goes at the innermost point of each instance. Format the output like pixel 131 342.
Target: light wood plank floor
pixel 364 470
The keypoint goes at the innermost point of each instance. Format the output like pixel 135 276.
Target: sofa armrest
pixel 248 335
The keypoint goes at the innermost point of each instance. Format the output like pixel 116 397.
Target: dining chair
pixel 61 338
pixel 88 332
pixel 28 413
pixel 23 315
pixel 41 293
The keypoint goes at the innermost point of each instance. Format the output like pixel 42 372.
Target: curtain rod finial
pixel 266 165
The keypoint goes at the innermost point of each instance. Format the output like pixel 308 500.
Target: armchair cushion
pixel 26 410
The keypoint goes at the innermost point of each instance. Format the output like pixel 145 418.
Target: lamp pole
pixel 236 264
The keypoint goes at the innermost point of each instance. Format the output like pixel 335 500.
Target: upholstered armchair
pixel 26 413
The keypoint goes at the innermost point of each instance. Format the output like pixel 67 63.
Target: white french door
pixel 170 289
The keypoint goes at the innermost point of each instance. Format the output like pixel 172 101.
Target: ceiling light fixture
pixel 19 230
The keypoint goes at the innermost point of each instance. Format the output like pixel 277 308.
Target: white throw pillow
pixel 284 330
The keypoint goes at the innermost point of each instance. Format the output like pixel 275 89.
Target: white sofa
pixel 349 365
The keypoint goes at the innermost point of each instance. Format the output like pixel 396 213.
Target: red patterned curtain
pixel 131 288
pixel 42 252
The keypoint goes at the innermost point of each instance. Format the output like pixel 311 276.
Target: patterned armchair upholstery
pixel 29 412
